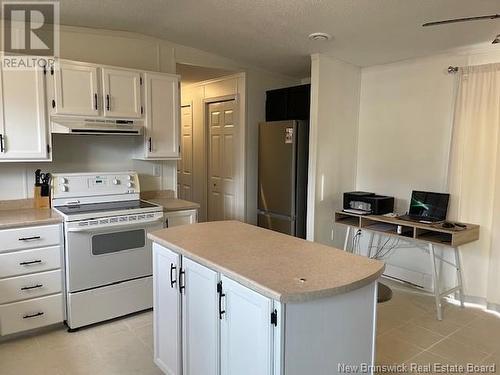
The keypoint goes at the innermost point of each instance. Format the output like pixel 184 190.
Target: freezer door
pixel 277 167
pixel 277 223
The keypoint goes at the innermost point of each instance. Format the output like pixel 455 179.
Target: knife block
pixel 40 202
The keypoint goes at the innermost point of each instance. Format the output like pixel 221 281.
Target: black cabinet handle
pixel 182 280
pixel 32 287
pixel 29 238
pixel 33 315
pixel 2 149
pixel 30 262
pixel 221 295
pixel 172 269
pixel 95 102
pixel 108 106
pixel 166 223
pixel 150 144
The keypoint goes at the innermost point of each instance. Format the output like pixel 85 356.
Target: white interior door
pixel 23 120
pixel 221 160
pixel 166 310
pixel 185 164
pixel 200 322
pixel 162 115
pixel 246 331
pixel 122 93
pixel 76 90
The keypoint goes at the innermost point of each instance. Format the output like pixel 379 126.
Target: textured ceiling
pixel 273 34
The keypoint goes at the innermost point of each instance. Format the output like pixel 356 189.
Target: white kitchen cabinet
pixel 215 314
pixel 175 218
pixel 200 320
pixel 76 90
pixel 30 278
pixel 166 310
pixel 23 116
pixel 247 315
pixel 122 93
pixel 162 117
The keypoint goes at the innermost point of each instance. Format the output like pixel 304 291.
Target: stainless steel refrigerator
pixel 283 161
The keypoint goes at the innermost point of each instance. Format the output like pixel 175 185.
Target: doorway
pixel 222 123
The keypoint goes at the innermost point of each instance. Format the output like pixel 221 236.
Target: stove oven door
pixel 101 256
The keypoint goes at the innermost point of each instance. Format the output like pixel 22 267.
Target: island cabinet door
pixel 166 310
pixel 246 331
pixel 200 320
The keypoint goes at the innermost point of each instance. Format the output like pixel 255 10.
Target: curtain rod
pixel 452 69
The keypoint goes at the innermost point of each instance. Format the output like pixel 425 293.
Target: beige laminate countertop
pixel 270 263
pixel 174 204
pixel 24 217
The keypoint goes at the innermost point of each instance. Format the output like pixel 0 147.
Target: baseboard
pixel 418 279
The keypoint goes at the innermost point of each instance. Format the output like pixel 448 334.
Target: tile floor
pixel 407 333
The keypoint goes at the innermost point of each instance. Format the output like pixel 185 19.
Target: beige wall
pixel 405 128
pixel 335 90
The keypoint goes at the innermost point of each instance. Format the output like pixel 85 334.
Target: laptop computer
pixel 427 207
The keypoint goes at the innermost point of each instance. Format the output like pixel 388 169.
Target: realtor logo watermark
pixel 30 34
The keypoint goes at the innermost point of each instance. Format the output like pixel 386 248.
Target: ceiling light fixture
pixel 320 36
pixel 496 40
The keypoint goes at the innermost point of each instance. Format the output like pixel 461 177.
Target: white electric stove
pixel 108 263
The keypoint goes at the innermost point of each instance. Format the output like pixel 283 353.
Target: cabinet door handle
pixel 108 105
pixel 33 315
pixel 221 295
pixel 29 238
pixel 2 149
pixel 150 144
pixel 172 269
pixel 166 223
pixel 30 262
pixel 32 287
pixel 182 280
pixel 95 102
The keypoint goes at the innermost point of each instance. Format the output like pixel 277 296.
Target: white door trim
pixel 240 131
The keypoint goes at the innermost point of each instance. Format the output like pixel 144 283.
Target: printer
pixel 364 203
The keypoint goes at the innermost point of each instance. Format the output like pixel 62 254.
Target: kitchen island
pixel 235 299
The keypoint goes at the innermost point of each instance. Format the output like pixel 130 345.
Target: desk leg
pixel 347 234
pixel 435 282
pixel 458 266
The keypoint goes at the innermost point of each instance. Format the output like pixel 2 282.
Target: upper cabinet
pixel 23 116
pixel 76 90
pixel 122 93
pixel 162 117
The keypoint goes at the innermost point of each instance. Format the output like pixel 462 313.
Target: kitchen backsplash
pixel 87 154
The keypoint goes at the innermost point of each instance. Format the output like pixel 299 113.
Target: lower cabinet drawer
pixel 30 237
pixel 34 313
pixel 30 286
pixel 30 261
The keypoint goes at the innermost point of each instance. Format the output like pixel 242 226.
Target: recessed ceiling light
pixel 320 36
pixel 497 39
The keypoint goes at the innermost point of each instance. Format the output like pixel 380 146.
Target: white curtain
pixel 474 178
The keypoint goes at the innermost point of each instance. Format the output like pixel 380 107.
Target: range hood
pixel 95 127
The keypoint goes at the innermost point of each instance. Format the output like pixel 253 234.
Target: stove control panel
pixel 105 184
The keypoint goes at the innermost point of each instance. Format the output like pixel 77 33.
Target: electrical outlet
pixel 156 170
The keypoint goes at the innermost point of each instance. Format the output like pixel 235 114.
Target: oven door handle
pixel 137 224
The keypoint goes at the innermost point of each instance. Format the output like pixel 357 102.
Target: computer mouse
pixel 448 225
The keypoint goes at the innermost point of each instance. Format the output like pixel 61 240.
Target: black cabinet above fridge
pixel 290 103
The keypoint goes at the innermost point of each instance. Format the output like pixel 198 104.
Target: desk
pixel 430 234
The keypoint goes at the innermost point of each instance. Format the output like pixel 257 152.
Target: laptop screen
pixel 428 204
